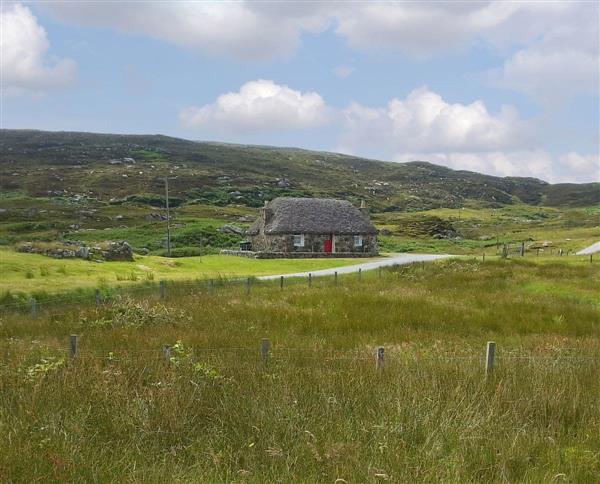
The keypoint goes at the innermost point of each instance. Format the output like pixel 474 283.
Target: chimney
pixel 265 214
pixel 363 209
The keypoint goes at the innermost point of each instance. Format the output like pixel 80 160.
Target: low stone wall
pixel 297 255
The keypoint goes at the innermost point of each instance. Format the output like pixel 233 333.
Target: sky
pixel 499 87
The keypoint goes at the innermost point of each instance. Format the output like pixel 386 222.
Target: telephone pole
pixel 168 217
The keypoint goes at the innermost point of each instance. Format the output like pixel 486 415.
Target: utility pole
pixel 168 217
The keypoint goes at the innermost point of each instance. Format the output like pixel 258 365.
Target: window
pixel 358 241
pixel 299 240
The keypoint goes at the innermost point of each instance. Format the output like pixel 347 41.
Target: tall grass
pixel 317 410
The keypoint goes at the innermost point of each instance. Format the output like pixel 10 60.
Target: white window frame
pixel 299 243
pixel 359 239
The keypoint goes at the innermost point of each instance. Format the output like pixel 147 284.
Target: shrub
pixel 129 312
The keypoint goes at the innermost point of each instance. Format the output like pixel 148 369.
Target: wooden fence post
pixel 483 257
pixel 264 349
pixel 335 281
pixel 33 306
pixel 537 252
pixel 248 285
pixel 162 286
pixel 98 297
pixel 309 279
pixel 167 352
pixel 522 249
pixel 74 344
pixel 281 283
pixel 359 274
pixel 380 358
pixel 211 286
pixel 490 356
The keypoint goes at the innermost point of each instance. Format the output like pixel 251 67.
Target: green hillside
pixel 80 163
pixel 95 187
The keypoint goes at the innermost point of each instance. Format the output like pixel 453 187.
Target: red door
pixel 327 245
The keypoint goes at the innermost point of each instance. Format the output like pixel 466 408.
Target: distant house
pixel 313 227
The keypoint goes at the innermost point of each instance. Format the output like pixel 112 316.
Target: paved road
pixel 592 249
pixel 393 260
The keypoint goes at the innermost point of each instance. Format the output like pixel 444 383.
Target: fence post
pixel 98 297
pixel 167 352
pixel 359 274
pixel 537 252
pixel 162 286
pixel 74 344
pixel 335 281
pixel 483 257
pixel 33 306
pixel 591 258
pixel 248 285
pixel 211 286
pixel 281 283
pixel 490 356
pixel 264 349
pixel 309 279
pixel 380 358
pixel 522 249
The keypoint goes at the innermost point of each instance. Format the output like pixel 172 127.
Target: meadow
pixel 317 410
pixel 33 273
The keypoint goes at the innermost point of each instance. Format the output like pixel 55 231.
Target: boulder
pixel 232 229
pixel 118 251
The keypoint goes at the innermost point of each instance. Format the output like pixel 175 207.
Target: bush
pixel 129 312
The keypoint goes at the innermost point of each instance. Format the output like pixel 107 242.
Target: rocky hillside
pixel 123 168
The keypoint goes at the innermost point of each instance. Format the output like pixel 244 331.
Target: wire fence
pixel 37 303
pixel 165 289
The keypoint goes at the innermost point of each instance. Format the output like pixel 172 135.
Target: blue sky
pixel 506 88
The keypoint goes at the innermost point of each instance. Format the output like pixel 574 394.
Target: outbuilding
pixel 313 227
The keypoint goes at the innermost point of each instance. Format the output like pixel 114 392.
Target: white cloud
pixel 425 127
pixel 523 163
pixel 562 61
pixel 424 121
pixel 583 167
pixel 24 64
pixel 552 47
pixel 260 105
pixel 240 30
pixel 572 167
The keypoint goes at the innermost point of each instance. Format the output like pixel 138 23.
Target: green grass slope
pixel 40 163
pixel 318 411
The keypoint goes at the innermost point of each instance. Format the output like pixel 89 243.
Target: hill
pixel 109 166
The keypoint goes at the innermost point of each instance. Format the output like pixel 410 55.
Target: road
pixel 392 260
pixel 592 249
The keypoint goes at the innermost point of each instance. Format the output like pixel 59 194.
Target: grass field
pixel 34 273
pixel 318 411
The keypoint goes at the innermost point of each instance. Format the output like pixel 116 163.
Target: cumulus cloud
pixel 260 105
pixel 241 30
pixel 423 126
pixel 571 167
pixel 551 47
pixel 562 61
pixel 425 121
pixel 24 64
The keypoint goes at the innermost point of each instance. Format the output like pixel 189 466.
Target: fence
pixel 164 289
pixel 263 354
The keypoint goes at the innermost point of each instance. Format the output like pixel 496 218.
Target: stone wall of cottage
pixel 312 243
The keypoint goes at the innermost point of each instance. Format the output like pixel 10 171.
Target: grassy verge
pixel 34 273
pixel 318 410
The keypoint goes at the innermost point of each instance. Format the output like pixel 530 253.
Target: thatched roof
pixel 312 216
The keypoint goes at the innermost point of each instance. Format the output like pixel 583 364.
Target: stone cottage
pixel 313 227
